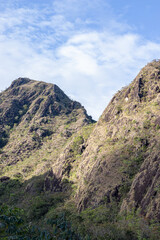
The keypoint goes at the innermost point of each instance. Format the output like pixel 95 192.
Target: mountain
pixel 99 180
pixel 122 156
pixel 35 118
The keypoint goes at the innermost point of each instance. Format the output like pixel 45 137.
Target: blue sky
pixel 89 48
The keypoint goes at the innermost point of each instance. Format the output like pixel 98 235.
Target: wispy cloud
pixel 61 44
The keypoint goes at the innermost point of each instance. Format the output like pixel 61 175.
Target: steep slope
pixel 42 137
pixel 122 153
pixel 36 120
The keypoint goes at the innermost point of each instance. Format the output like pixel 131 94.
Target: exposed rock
pixel 52 182
pixel 4 179
pixel 120 147
pixel 19 81
pixel 144 193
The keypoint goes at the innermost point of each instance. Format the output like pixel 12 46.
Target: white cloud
pixel 88 64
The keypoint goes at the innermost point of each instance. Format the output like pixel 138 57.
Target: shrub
pixel 146 124
pixel 118 110
pixel 13 226
pixel 157 127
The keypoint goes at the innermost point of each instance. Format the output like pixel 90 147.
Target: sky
pixel 89 48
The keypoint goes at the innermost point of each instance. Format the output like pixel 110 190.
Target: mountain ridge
pixel 33 105
pixel 127 125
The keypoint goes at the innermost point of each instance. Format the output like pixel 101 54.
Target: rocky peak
pixel 42 108
pixel 142 90
pixel 38 98
pixel 20 81
pixel 121 143
pixel 147 83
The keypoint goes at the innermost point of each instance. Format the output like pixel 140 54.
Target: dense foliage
pixel 13 226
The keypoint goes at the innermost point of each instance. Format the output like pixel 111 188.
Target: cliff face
pixel 121 161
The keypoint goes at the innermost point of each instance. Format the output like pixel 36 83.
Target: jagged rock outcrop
pixel 34 100
pixel 122 153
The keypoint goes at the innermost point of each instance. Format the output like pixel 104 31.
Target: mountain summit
pixel 40 99
pixel 33 111
pixel 124 148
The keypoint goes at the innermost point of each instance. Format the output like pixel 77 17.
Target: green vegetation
pixel 76 144
pixel 13 226
pixel 4 136
pixel 100 223
pixel 132 165
pixel 119 109
pixel 146 124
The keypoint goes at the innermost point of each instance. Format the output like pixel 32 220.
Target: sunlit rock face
pixel 121 160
